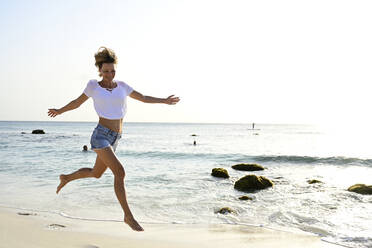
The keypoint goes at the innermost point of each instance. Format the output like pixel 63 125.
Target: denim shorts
pixel 103 137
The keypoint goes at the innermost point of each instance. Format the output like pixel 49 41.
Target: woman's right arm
pixel 72 105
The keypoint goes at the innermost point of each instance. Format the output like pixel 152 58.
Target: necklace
pixel 109 89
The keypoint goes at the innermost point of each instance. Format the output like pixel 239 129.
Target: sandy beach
pixel 20 228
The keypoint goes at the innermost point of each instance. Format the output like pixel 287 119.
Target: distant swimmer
pixel 252 125
pixel 109 97
pixel 194 142
pixel 85 148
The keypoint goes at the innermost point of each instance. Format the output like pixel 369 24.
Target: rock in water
pixel 252 183
pixel 225 210
pixel 314 181
pixel 361 189
pixel 245 198
pixel 38 131
pixel 247 167
pixel 220 172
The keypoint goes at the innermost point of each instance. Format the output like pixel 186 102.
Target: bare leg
pixel 97 171
pixel 108 156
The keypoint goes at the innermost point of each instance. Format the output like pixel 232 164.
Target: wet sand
pixel 20 229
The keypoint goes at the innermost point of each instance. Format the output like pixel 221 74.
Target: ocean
pixel 168 178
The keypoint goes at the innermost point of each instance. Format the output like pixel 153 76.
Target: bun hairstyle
pixel 104 55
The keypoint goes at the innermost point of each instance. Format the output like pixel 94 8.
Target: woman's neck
pixel 106 84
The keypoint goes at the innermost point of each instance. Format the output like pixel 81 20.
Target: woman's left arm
pixel 171 100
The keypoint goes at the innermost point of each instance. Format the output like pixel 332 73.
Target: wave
pixel 338 160
pixel 244 158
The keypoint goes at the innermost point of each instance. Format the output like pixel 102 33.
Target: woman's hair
pixel 105 55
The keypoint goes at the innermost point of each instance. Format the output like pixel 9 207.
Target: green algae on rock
pixel 220 172
pixel 361 189
pixel 251 183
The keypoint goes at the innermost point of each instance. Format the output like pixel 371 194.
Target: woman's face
pixel 108 71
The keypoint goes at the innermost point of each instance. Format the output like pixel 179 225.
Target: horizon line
pixel 160 122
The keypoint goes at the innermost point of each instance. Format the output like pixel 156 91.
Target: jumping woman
pixel 109 97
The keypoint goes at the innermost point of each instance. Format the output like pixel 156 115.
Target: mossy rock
pixel 313 181
pixel 251 183
pixel 248 167
pixel 220 172
pixel 245 198
pixel 225 210
pixel 361 189
pixel 194 135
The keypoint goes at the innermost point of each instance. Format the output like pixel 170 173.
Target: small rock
pixel 314 181
pixel 23 132
pixel 245 198
pixel 26 214
pixel 57 226
pixel 251 183
pixel 194 135
pixel 38 131
pixel 225 210
pixel 220 172
pixel 247 167
pixel 361 189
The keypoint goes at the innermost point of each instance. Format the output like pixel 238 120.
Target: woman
pixel 109 98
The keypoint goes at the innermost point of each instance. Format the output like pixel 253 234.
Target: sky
pixel 229 61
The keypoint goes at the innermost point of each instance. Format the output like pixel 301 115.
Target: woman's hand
pixel 171 100
pixel 54 112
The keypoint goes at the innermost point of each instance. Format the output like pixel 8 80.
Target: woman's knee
pixel 96 174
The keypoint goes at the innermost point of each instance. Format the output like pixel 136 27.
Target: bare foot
pixel 64 181
pixel 133 224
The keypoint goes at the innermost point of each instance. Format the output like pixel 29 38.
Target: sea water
pixel 168 178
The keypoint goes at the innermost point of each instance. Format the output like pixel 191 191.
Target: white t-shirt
pixel 109 104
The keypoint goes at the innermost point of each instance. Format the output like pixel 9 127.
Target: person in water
pixel 85 148
pixel 109 97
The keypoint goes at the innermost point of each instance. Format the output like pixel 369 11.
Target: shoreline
pixel 39 229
